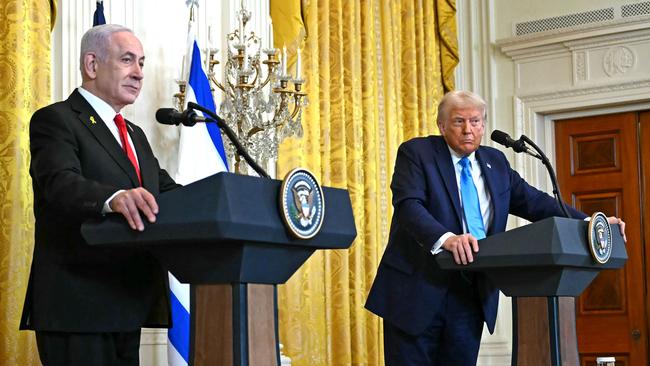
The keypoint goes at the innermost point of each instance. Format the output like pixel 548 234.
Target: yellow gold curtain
pixel 376 70
pixel 25 72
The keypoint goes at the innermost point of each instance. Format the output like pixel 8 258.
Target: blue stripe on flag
pixel 179 334
pixel 201 86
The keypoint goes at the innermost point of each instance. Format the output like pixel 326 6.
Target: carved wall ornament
pixel 618 60
pixel 580 66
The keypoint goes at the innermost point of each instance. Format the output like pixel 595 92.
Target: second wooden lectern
pixel 543 266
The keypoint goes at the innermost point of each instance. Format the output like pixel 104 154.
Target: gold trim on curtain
pixel 25 72
pixel 376 70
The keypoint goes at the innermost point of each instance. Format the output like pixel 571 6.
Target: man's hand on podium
pixel 621 225
pixel 130 202
pixel 462 246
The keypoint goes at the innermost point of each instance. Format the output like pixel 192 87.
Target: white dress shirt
pixel 487 211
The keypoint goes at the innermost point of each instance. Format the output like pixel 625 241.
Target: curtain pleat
pixel 376 70
pixel 25 72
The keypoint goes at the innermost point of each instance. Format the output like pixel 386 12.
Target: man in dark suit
pixel 86 304
pixel 448 192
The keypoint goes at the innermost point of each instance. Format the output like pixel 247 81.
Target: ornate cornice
pixel 593 90
pixel 615 30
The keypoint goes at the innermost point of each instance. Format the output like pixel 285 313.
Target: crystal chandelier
pixel 262 101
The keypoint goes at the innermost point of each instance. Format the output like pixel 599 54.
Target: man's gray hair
pixel 96 40
pixel 460 98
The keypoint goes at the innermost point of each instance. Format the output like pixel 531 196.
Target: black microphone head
pixel 519 145
pixel 166 116
pixel 502 138
pixel 190 117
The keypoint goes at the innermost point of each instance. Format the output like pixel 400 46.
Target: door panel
pixel 598 170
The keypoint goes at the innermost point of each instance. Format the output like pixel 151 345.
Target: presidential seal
pixel 302 204
pixel 600 238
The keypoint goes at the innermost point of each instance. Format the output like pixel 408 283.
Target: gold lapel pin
pixel 92 120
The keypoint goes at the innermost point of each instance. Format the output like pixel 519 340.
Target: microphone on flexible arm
pixel 518 146
pixel 189 117
pixel 170 116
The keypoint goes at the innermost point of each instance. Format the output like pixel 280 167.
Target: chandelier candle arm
pixel 212 63
pixel 216 82
pixel 180 96
pixel 297 100
pixel 271 64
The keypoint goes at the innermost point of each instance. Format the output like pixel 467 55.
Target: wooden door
pixel 598 166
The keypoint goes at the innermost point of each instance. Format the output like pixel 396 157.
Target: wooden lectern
pixel 542 266
pixel 224 235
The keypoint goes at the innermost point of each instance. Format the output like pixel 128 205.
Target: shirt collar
pixel 103 109
pixel 455 157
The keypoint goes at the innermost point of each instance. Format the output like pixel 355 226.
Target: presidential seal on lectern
pixel 302 204
pixel 600 238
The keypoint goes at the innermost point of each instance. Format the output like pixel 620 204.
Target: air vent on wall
pixel 633 10
pixel 564 21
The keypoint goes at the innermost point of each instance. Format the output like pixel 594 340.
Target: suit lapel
pixel 89 118
pixel 490 176
pixel 442 158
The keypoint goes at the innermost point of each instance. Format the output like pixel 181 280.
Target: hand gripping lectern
pixel 225 236
pixel 536 265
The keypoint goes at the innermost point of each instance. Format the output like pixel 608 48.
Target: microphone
pixel 504 139
pixel 170 116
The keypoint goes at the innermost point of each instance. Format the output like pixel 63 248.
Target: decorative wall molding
pixel 626 25
pixel 637 87
pixel 600 68
pixel 616 55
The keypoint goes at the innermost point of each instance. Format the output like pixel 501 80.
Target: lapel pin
pixel 488 165
pixel 92 120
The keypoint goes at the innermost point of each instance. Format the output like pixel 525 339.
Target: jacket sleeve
pixel 409 187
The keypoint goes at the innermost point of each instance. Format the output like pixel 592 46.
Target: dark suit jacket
pixel 410 288
pixel 76 165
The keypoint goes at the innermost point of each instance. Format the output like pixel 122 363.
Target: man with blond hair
pixel 449 191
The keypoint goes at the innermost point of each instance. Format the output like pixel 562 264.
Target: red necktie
pixel 124 137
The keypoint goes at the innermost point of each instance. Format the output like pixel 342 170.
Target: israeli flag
pixel 200 154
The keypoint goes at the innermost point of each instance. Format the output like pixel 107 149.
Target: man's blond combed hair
pixel 460 98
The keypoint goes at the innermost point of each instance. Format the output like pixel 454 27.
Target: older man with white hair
pixel 87 305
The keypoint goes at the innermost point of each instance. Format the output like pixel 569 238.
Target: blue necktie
pixel 471 205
